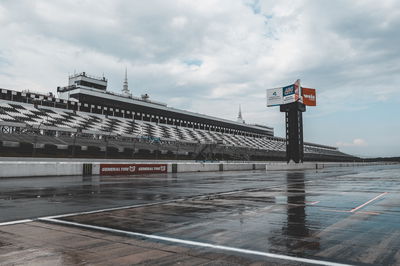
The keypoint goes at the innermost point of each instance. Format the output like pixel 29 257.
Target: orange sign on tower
pixel 309 96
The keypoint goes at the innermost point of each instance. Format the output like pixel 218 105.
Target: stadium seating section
pixel 42 125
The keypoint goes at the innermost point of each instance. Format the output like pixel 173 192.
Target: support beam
pixel 294 131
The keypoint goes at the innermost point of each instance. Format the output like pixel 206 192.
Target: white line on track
pixel 112 209
pixel 368 202
pixel 194 243
pixel 16 222
pixel 89 212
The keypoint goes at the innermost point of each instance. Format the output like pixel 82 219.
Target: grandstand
pixel 88 121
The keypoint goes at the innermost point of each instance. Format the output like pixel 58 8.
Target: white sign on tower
pixel 284 95
pixel 274 97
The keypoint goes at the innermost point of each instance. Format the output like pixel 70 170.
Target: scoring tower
pixel 292 100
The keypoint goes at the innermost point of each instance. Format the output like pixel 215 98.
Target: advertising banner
pixel 289 94
pixel 284 95
pixel 309 96
pixel 274 97
pixel 132 169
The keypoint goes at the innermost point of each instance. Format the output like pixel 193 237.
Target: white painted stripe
pixel 111 209
pixel 16 222
pixel 368 202
pixel 196 243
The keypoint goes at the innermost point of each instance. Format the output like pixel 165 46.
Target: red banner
pixel 309 96
pixel 132 169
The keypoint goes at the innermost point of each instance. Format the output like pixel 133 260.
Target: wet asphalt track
pixel 349 215
pixel 22 198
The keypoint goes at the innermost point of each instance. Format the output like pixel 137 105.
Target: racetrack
pixel 336 215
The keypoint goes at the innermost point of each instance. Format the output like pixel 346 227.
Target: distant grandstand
pixel 88 121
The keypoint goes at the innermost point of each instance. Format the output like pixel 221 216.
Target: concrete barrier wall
pixel 285 166
pixel 22 169
pixel 309 165
pixel 26 169
pixel 260 166
pixel 238 167
pixel 29 168
pixel 197 167
pixel 213 167
pixel 96 169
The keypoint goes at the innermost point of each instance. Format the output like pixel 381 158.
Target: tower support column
pixel 294 131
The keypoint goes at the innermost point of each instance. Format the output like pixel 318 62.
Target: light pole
pixel 78 130
pixel 35 139
pixel 107 139
pixel 37 133
pixel 133 139
pixel 134 147
pixel 177 149
pixel 105 152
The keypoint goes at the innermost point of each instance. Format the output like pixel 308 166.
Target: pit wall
pixel 31 169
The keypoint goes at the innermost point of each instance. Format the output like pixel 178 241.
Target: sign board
pixel 274 97
pixel 288 94
pixel 132 169
pixel 309 96
pixel 284 95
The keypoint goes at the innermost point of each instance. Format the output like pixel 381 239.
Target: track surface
pixel 344 215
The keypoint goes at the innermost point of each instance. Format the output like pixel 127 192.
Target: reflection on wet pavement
pixel 303 218
pixel 339 215
pixel 22 198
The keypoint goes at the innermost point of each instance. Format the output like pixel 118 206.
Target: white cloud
pixel 179 22
pixel 355 143
pixel 209 56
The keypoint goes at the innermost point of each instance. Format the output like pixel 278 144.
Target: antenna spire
pixel 125 89
pixel 240 118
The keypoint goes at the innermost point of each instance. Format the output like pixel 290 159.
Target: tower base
pixel 294 131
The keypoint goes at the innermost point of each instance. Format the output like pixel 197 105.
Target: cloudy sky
pixel 210 56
